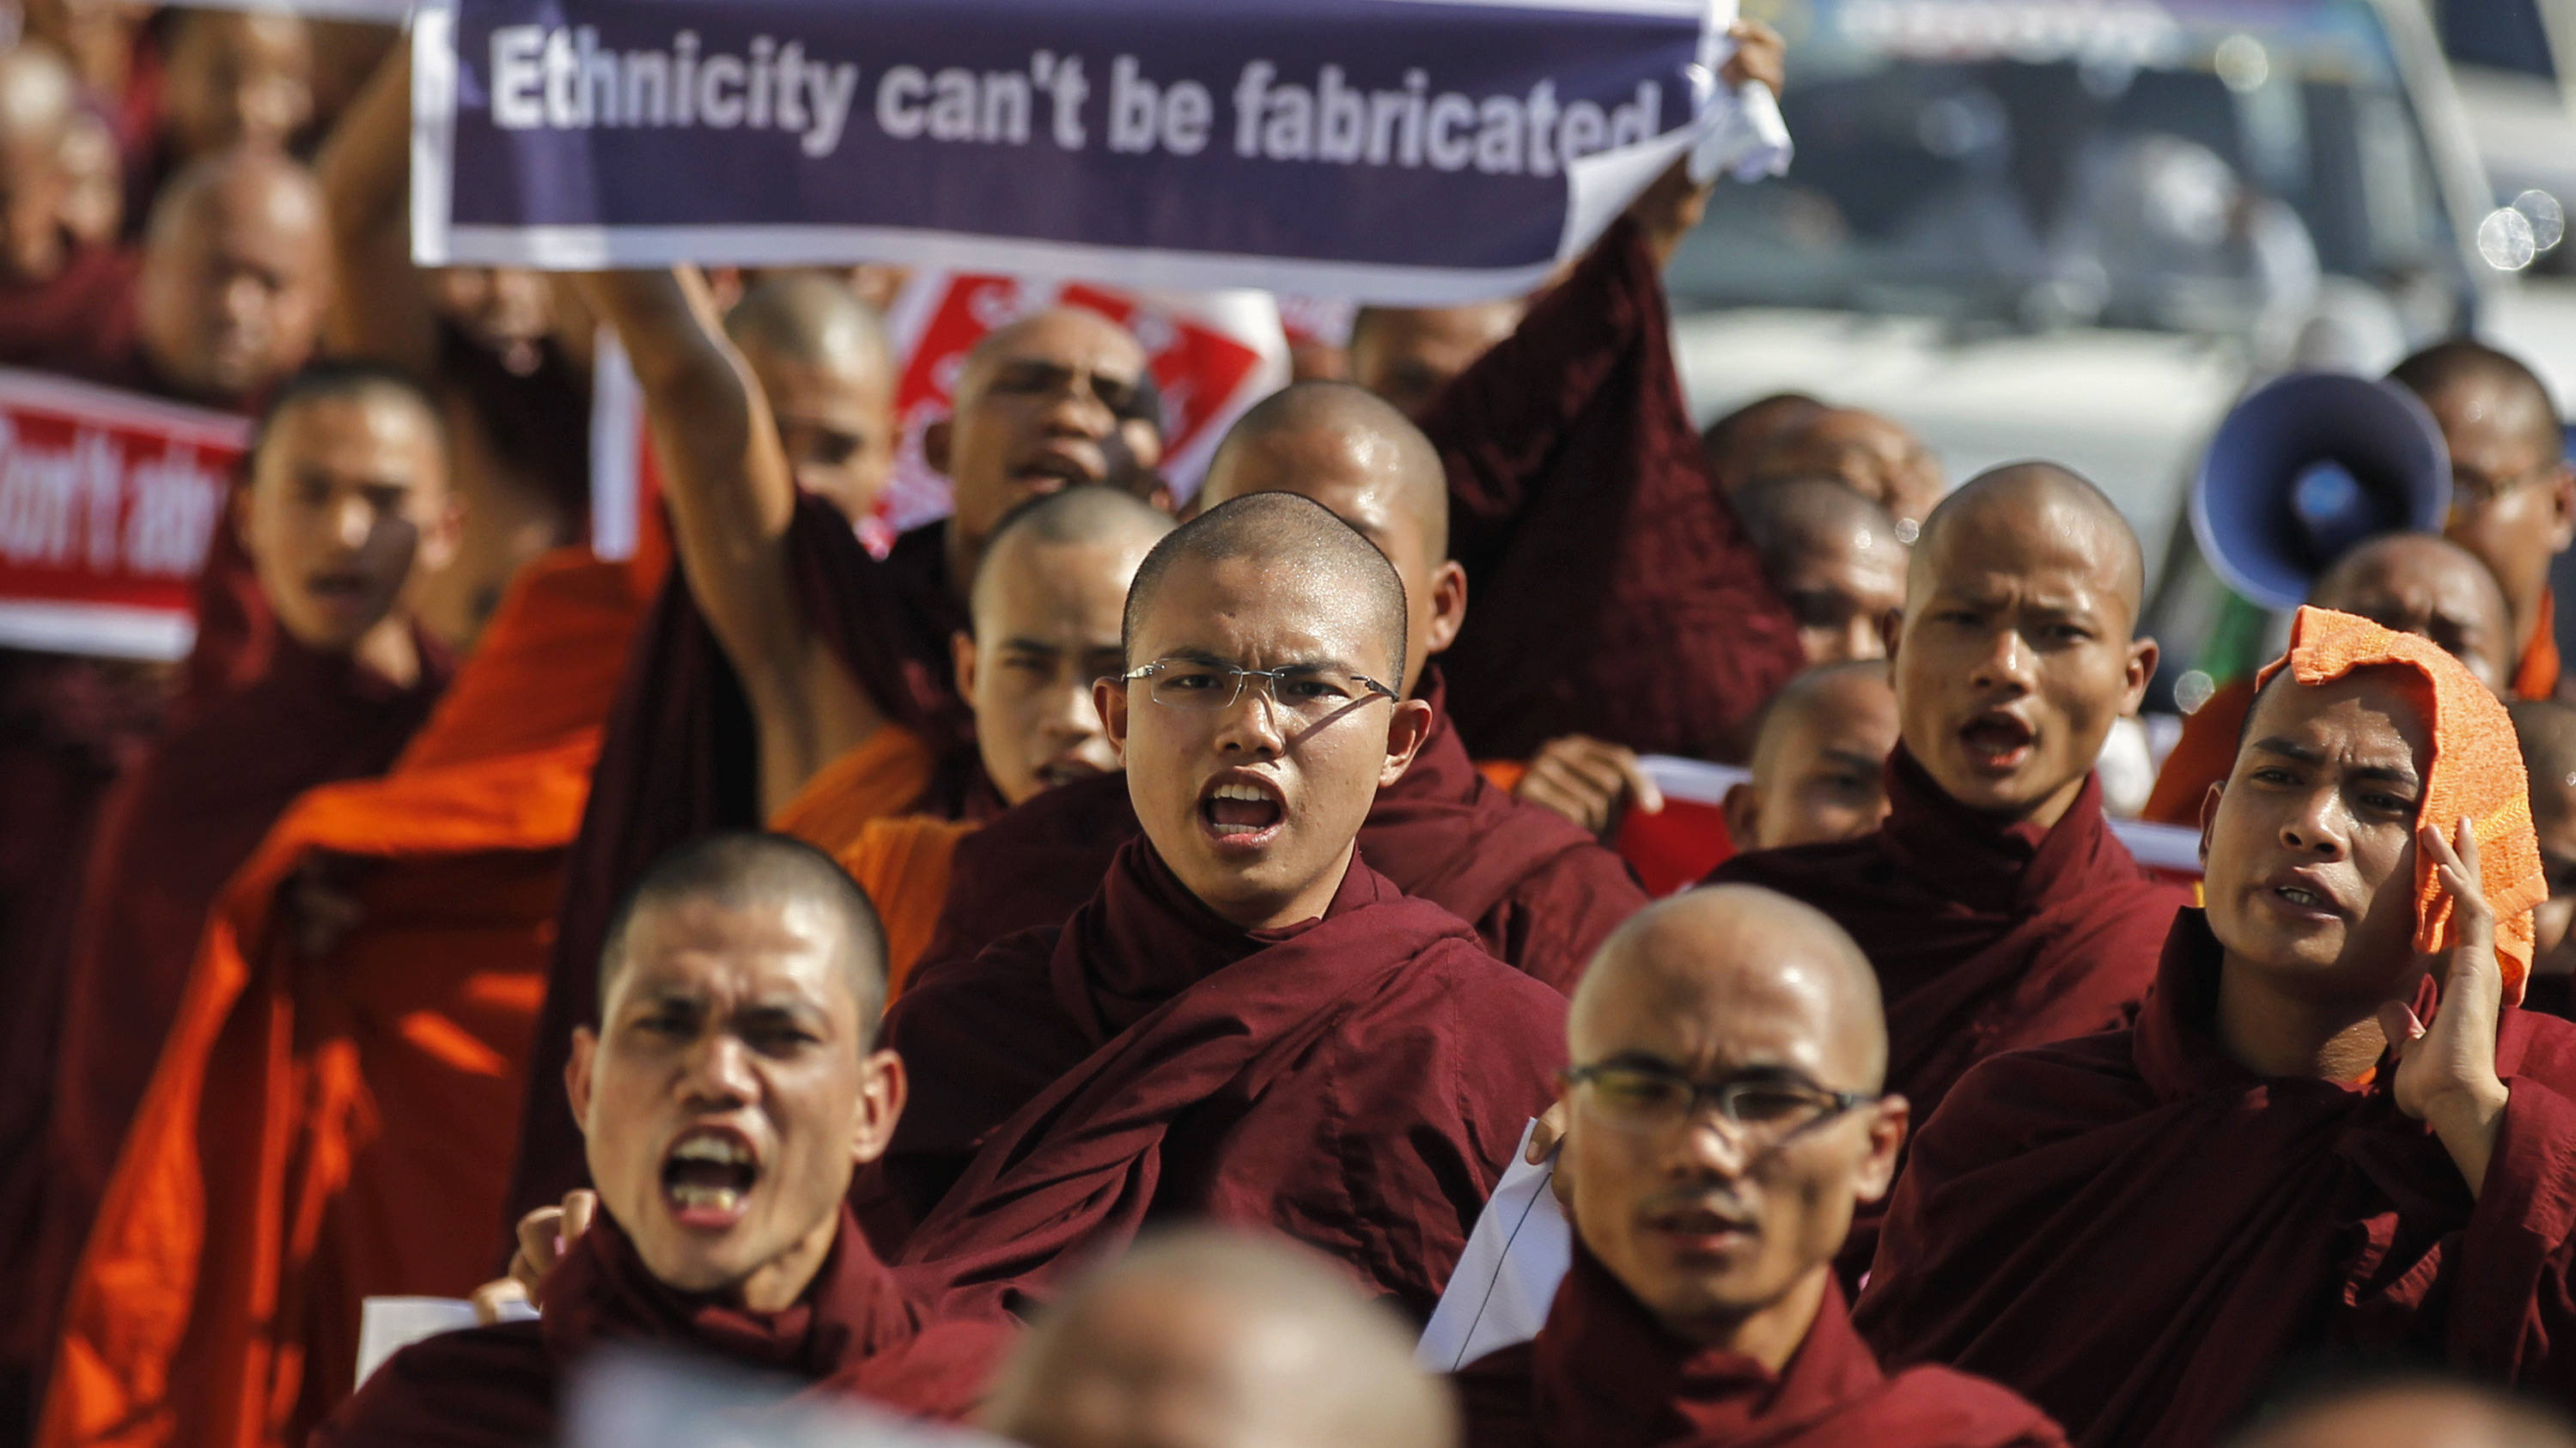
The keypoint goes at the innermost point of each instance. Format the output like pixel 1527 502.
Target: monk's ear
pixel 2142 668
pixel 1408 724
pixel 961 651
pixel 2209 818
pixel 883 1089
pixel 442 533
pixel 2562 518
pixel 237 517
pixel 1743 816
pixel 1891 631
pixel 936 442
pixel 1109 697
pixel 1448 606
pixel 1887 1128
pixel 585 1044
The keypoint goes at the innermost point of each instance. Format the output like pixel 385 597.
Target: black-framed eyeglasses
pixel 1308 691
pixel 1766 1109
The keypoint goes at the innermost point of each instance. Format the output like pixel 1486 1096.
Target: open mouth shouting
pixel 707 1176
pixel 2301 896
pixel 1241 810
pixel 1066 770
pixel 1060 465
pixel 1997 742
pixel 341 591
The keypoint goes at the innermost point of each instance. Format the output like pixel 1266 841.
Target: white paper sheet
pixel 1507 1277
pixel 387 1325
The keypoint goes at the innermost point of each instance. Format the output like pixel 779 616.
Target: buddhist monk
pixel 822 358
pixel 56 297
pixel 387 943
pixel 347 505
pixel 2513 493
pixel 1876 456
pixel 1834 557
pixel 1540 894
pixel 2546 730
pixel 1203 1338
pixel 786 667
pixel 1994 900
pixel 234 78
pixel 2328 1126
pixel 2411 582
pixel 2409 1410
pixel 1194 1041
pixel 730 1088
pixel 516 397
pixel 236 270
pixel 1702 1307
pixel 1820 762
pixel 1736 440
pixel 1575 472
pixel 1409 355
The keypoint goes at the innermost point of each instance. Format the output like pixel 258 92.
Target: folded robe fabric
pixel 861 1331
pixel 1615 593
pixel 680 758
pixel 2475 772
pixel 2136 1232
pixel 317 1130
pixel 1541 893
pixel 1358 1081
pixel 1602 1373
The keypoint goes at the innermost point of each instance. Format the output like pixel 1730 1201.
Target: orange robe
pixel 318 1130
pixel 851 810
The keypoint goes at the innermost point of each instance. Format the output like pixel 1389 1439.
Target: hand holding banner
pixel 1402 151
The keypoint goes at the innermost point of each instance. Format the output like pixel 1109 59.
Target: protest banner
pixel 1400 151
pixel 108 502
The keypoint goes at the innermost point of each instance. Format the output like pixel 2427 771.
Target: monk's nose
pixel 2318 827
pixel 1251 723
pixel 1861 638
pixel 719 1072
pixel 2007 661
pixel 352 520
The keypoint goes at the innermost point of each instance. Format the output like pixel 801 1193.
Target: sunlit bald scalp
pixel 2546 730
pixel 1790 517
pixel 812 318
pixel 2030 490
pixel 2429 557
pixel 1325 1367
pixel 1088 515
pixel 1007 340
pixel 243 178
pixel 2407 1410
pixel 348 377
pixel 1804 700
pixel 1277 529
pixel 740 869
pixel 1733 441
pixel 1379 439
pixel 2466 361
pixel 1705 937
pixel 38 96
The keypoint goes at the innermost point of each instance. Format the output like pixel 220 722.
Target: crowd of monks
pixel 1079 967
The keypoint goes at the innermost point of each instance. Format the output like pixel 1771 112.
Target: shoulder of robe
pixel 1455 998
pixel 2545 1047
pixel 2014 1101
pixel 1943 1408
pixel 1814 873
pixel 484 1387
pixel 969 985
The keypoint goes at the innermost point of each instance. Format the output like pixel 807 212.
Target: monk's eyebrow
pixel 1030 646
pixel 2396 773
pixel 2287 750
pixel 1855 759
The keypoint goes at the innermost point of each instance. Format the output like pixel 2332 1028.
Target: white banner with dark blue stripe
pixel 1406 151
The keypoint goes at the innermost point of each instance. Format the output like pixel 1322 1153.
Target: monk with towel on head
pixel 2330 1126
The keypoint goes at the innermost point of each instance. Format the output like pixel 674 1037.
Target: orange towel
pixel 2476 772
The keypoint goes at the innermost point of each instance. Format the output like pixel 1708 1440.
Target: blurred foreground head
pixel 1215 1339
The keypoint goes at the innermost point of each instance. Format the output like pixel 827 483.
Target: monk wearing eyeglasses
pixel 1725 1116
pixel 1245 1022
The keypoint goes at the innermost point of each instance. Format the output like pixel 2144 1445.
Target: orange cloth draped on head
pixel 2475 772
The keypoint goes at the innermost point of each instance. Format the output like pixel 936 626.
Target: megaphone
pixel 2306 467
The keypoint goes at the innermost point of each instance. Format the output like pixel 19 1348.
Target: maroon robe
pixel 1986 937
pixel 1615 592
pixel 2136 1232
pixel 168 835
pixel 1603 1373
pixel 862 1330
pixel 681 758
pixel 1358 1081
pixel 1541 893
pixel 80 322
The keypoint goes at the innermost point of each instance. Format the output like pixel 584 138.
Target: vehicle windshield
pixel 2190 166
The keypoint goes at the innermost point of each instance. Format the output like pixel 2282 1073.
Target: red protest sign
pixel 108 502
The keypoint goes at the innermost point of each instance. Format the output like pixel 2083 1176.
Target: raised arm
pixel 732 499
pixel 381 308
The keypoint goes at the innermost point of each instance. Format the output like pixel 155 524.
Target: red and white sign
pixel 108 502
pixel 1213 354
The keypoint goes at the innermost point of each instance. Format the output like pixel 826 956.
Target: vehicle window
pixel 2504 34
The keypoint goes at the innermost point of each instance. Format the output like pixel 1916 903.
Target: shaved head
pixel 1211 1339
pixel 39 97
pixel 1087 518
pixel 2546 731
pixel 1047 333
pixel 2062 502
pixel 1834 557
pixel 1279 530
pixel 1876 455
pixel 2426 585
pixel 2412 1412
pixel 236 269
pixel 2513 493
pixel 236 78
pixel 742 869
pixel 1700 949
pixel 1735 442
pixel 1723 1113
pixel 829 373
pixel 1409 355
pixel 2464 363
pixel 811 317
pixel 38 94
pixel 1822 702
